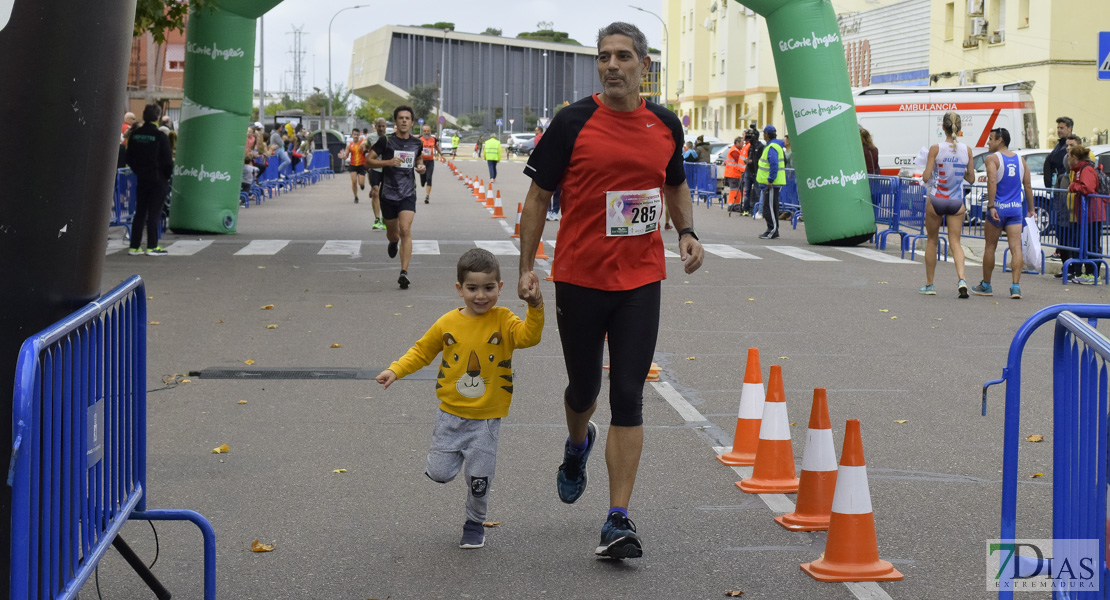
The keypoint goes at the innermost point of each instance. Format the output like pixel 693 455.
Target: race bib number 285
pixel 631 213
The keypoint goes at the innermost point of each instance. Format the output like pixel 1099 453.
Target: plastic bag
pixel 1031 244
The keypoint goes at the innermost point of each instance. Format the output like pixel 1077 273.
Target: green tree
pixel 373 108
pixel 340 99
pixel 423 100
pixel 159 16
pixel 474 119
pixel 272 109
pixel 530 119
pixel 491 31
pixel 440 25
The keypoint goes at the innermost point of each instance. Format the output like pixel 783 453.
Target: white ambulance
pixel 903 120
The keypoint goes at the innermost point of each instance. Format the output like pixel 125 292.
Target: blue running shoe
pixel 571 481
pixel 474 535
pixel 983 289
pixel 1015 291
pixel 619 538
pixel 929 290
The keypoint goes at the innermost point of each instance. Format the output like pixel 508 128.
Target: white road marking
pixel 867 590
pixel 877 256
pixel 263 248
pixel 498 247
pixel 681 406
pixel 967 263
pixel 114 246
pixel 802 254
pixel 425 247
pixel 341 248
pixel 187 247
pixel 669 254
pixel 726 251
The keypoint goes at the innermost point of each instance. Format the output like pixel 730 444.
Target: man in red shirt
pixel 609 265
pixel 357 168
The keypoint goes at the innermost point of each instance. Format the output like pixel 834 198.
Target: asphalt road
pixel 852 324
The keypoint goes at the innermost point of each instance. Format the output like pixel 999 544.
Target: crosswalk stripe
pixel 875 255
pixel 669 254
pixel 187 247
pixel 802 254
pixel 262 248
pixel 341 248
pixel 114 246
pixel 428 247
pixel 726 251
pixel 498 247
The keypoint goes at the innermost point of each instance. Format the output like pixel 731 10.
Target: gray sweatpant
pixel 474 441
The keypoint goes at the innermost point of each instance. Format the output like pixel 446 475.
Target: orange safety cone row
pixel 774 459
pixel 519 212
pixel 818 479
pixel 851 548
pixel 498 210
pixel 746 440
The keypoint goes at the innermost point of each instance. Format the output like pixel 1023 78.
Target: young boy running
pixel 475 381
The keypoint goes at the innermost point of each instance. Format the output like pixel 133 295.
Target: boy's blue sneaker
pixel 571 481
pixel 983 289
pixel 1015 291
pixel 474 535
pixel 929 290
pixel 619 538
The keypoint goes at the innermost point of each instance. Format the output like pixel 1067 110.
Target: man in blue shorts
pixel 1007 177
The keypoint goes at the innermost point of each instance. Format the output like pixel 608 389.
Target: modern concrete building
pixel 486 76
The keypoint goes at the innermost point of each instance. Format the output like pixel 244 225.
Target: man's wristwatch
pixel 688 230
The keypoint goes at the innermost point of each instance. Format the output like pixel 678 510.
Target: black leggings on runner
pixel 631 319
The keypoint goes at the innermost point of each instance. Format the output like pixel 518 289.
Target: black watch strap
pixel 689 230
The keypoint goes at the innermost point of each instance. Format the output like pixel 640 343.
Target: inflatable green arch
pixel 809 59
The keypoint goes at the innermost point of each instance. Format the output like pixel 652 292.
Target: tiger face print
pixel 480 370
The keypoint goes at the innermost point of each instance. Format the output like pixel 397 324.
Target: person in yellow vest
pixel 454 145
pixel 493 153
pixel 734 171
pixel 771 176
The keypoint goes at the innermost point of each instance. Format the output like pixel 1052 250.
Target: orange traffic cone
pixel 818 480
pixel 482 190
pixel 774 459
pixel 519 211
pixel 489 198
pixel 498 210
pixel 851 549
pixel 746 440
pixel 550 277
pixel 539 251
pixel 653 372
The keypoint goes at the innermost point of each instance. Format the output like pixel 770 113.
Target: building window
pixel 949 20
pixel 175 57
pixel 739 122
pixel 722 66
pixel 760 120
pixel 713 60
pixel 1023 14
pixel 691 21
pixel 690 75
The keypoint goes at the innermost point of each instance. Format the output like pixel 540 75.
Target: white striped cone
pixel 851 548
pixel 818 479
pixel 774 460
pixel 746 440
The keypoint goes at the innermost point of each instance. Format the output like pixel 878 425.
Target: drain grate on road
pixel 302 373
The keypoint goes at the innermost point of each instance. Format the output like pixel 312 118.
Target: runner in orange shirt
pixel 357 167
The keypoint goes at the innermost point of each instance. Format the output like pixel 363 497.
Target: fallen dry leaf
pixel 408 306
pixel 937 319
pixel 242 402
pixel 396 314
pixel 154 323
pixel 261 267
pixel 339 470
pixel 271 326
pixel 224 449
pixel 794 423
pixel 267 307
pixel 894 317
pixel 901 421
pixel 733 593
pixel 1036 475
pixel 491 524
pixel 751 299
pixel 689 302
pixel 994 302
pixel 249 361
pixel 691 358
pixel 186 381
pixel 219 320
pixel 884 282
pixel 784 358
pixel 337 345
pixel 884 310
pixel 935 326
pixel 327 306
pixel 1035 438
pixel 150 297
pixel 258 546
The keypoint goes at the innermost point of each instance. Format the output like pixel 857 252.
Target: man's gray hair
pixel 639 40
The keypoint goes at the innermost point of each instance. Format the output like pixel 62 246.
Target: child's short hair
pixel 247 160
pixel 477 260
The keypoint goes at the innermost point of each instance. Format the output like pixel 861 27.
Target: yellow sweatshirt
pixel 475 379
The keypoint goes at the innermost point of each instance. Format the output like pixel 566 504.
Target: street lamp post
pixel 545 86
pixel 666 48
pixel 442 71
pixel 330 89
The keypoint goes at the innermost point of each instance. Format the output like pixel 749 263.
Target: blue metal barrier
pixel 123 199
pixel 886 196
pixel 78 469
pixel 702 180
pixel 1080 356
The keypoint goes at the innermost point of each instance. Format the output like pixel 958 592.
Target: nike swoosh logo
pixel 650 124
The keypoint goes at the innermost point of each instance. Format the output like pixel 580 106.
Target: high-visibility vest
pixel 734 166
pixel 764 171
pixel 493 149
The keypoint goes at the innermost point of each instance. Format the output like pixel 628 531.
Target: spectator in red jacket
pixel 1084 183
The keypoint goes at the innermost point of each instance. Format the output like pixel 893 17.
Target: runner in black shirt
pixel 399 155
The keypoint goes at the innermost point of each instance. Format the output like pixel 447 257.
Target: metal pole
pixel 545 85
pixel 261 70
pixel 666 48
pixel 329 57
pixel 442 69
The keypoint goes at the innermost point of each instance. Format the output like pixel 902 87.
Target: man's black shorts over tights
pixel 631 319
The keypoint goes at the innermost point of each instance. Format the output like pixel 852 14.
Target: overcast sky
pixel 579 18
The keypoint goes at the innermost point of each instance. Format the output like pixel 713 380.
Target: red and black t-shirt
pixel 591 149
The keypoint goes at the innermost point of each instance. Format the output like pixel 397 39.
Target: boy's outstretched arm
pixel 386 378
